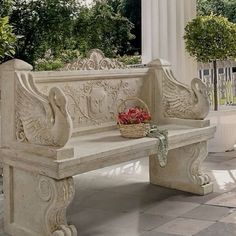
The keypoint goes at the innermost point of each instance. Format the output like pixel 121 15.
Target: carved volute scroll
pixel 40 119
pixel 58 194
pixel 95 60
pixel 198 154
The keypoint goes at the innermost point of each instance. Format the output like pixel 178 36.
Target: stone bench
pixel 59 124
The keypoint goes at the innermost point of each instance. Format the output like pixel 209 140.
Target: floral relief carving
pixel 95 102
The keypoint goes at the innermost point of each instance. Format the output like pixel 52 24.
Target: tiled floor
pixel 119 201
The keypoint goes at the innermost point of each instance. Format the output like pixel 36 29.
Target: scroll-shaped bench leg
pixel 183 170
pixel 36 205
pixel 58 193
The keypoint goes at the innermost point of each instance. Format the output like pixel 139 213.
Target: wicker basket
pixel 134 130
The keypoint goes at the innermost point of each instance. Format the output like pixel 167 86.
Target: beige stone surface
pixel 184 227
pixel 231 218
pixel 40 157
pixel 172 208
pixel 206 212
pixel 227 200
pixel 130 181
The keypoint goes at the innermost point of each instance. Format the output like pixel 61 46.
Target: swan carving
pixel 44 119
pixel 182 102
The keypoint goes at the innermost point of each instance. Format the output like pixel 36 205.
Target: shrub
pixel 211 38
pixel 7 40
pixel 50 62
pixel 129 60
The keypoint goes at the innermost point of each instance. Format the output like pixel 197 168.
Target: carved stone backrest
pixel 44 105
pixel 93 96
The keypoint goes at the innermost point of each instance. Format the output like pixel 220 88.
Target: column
pixel 163 23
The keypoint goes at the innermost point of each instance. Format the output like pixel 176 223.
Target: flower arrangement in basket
pixel 133 123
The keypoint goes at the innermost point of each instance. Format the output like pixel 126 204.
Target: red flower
pixel 134 115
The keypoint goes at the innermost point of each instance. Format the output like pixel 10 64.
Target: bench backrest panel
pixel 93 101
pixel 94 88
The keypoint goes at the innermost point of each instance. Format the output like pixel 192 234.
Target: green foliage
pixel 132 10
pixel 130 60
pixel 230 10
pixel 7 39
pixel 51 62
pixel 5 8
pixel 59 25
pixel 226 8
pixel 46 64
pixel 43 25
pixel 101 27
pixel 210 38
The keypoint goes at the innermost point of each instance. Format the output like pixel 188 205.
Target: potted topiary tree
pixel 7 39
pixel 209 39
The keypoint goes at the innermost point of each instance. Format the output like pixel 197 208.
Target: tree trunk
pixel 215 86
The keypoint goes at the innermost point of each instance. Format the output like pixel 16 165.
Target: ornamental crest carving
pixel 95 60
pixel 97 103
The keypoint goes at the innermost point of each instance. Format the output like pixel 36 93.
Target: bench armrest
pixel 28 116
pixel 177 100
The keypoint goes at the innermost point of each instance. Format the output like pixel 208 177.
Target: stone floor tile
pixel 231 218
pixel 109 231
pixel 148 222
pixel 142 222
pixel 210 166
pixel 155 233
pixel 171 208
pixel 92 218
pixel 206 212
pixel 183 226
pixel 105 200
pixel 87 218
pixel 219 229
pixel 225 180
pixel 230 162
pixel 222 156
pixel 188 197
pixel 145 190
pixel 80 196
pixel 98 182
pixel 226 200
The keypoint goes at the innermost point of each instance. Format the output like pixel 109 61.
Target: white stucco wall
pixel 163 23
